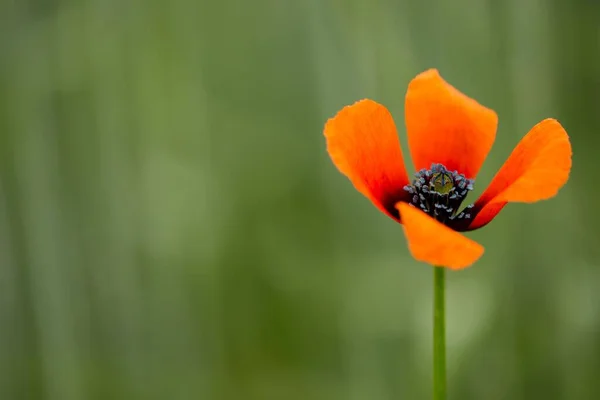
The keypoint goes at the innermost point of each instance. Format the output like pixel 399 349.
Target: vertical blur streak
pixel 45 234
pixel 114 272
pixel 9 297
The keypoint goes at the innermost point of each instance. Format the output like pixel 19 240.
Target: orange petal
pixel 445 126
pixel 537 168
pixel 363 143
pixel 434 243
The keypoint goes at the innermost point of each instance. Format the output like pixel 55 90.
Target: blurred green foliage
pixel 171 226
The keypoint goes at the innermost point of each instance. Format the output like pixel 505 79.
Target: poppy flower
pixel 449 137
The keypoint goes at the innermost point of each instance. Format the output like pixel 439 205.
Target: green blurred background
pixel 171 226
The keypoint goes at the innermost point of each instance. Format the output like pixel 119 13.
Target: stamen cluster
pixel 439 193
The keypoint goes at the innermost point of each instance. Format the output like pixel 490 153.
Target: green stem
pixel 439 335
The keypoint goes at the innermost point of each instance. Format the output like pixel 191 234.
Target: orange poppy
pixel 449 136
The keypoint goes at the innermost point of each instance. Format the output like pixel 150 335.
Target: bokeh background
pixel 171 226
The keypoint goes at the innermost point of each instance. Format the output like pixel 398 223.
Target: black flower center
pixel 439 193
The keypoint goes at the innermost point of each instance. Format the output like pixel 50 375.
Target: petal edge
pixel 446 126
pixel 536 169
pixel 434 243
pixel 363 143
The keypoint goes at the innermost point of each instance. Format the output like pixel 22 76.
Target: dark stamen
pixel 439 193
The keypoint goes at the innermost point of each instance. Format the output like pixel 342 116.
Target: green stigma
pixel 441 182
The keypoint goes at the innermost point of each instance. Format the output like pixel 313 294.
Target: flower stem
pixel 439 335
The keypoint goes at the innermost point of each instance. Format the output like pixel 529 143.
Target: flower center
pixel 439 193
